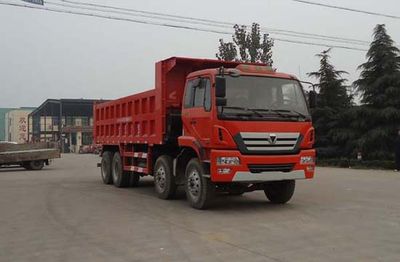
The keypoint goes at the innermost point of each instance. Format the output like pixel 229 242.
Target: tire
pixel 134 179
pixel 106 162
pixel 26 165
pixel 164 180
pixel 200 191
pixel 280 192
pixel 36 165
pixel 119 176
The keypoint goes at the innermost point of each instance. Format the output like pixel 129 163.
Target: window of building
pixel 85 121
pixel 87 138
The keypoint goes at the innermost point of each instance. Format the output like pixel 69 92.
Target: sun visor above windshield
pixel 255 68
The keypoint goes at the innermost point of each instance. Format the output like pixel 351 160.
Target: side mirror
pixel 312 99
pixel 220 87
pixel 221 101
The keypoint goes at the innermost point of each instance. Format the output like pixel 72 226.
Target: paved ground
pixel 65 213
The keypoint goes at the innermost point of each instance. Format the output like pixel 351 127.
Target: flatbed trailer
pixel 30 156
pixel 192 131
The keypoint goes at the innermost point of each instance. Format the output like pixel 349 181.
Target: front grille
pixel 254 142
pixel 258 168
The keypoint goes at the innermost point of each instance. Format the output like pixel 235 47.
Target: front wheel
pixel 199 189
pixel 280 192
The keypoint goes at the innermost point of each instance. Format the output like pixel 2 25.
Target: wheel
pixel 106 161
pixel 134 179
pixel 26 165
pixel 280 192
pixel 164 180
pixel 119 176
pixel 36 165
pixel 199 189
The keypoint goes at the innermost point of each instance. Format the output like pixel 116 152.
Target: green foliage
pixel 248 45
pixel 226 51
pixel 379 85
pixel 330 115
pixel 332 91
pixel 342 129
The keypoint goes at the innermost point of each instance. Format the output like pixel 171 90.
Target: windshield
pixel 264 97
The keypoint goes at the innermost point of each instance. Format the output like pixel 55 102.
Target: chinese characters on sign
pixel 22 130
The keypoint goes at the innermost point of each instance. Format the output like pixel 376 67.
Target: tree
pixel 332 102
pixel 226 51
pixel 332 91
pixel 379 86
pixel 248 45
pixel 379 81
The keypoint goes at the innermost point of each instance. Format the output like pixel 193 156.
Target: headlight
pixel 228 160
pixel 306 160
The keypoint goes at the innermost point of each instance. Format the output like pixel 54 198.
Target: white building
pixel 16 125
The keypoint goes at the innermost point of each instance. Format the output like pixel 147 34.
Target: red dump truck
pixel 210 126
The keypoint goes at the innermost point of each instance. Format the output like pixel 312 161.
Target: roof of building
pixel 66 107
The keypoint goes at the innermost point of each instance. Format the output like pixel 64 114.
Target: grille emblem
pixel 272 139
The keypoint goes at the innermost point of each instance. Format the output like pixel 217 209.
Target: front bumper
pixel 242 173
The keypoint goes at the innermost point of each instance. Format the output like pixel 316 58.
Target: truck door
pixel 196 114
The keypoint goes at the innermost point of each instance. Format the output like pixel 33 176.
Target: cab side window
pixel 198 94
pixel 189 94
pixel 207 94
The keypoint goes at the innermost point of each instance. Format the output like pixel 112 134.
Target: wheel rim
pixel 194 184
pixel 36 163
pixel 116 171
pixel 160 179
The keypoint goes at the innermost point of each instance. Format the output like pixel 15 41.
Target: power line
pixel 184 20
pixel 168 25
pixel 346 9
pixel 223 24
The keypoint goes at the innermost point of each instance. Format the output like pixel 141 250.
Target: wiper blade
pixel 291 111
pixel 254 111
pixel 270 111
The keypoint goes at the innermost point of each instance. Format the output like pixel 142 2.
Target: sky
pixel 51 55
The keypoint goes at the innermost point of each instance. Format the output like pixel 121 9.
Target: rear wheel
pixel 26 165
pixel 36 165
pixel 119 176
pixel 280 192
pixel 106 162
pixel 164 180
pixel 199 189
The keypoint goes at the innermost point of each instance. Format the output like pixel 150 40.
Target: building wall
pixel 75 132
pixel 16 125
pixel 3 112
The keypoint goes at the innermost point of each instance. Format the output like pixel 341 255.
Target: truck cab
pixel 251 124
